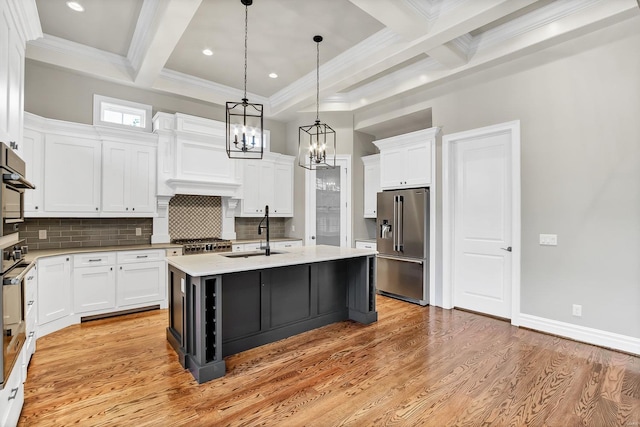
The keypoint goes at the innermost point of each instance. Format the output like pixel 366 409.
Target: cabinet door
pixel 33 153
pixel 72 174
pixel 251 188
pixel 283 190
pixel 140 283
pixel 418 165
pixel 267 181
pixel 115 179
pixel 371 189
pixel 6 23
pixel 15 88
pixel 392 168
pixel 54 288
pixel 94 288
pixel 142 189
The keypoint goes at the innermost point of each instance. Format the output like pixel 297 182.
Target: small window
pixel 121 113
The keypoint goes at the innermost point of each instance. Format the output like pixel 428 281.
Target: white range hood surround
pixel 192 160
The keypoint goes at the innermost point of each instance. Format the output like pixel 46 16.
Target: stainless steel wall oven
pixel 12 297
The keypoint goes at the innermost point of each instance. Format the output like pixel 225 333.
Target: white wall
pixel 579 108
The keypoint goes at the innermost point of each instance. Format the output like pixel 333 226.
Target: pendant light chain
pixel 317 81
pixel 246 27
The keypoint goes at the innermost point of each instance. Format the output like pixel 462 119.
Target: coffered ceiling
pixel 373 52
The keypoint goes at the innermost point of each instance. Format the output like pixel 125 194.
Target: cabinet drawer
pixel 286 245
pixel 28 350
pixel 12 397
pixel 128 257
pixel 366 245
pixel 174 252
pixel 248 247
pixel 94 259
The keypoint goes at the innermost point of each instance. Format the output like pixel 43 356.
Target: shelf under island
pixel 222 304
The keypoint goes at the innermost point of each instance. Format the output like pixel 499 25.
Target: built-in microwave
pixel 12 168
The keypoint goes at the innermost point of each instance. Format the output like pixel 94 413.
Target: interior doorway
pixel 481 220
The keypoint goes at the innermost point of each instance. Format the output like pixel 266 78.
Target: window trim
pixel 99 101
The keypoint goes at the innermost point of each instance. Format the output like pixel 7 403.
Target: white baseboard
pixel 582 333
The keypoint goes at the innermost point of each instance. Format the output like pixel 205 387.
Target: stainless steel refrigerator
pixel 403 244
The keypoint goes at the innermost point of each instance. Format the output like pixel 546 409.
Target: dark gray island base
pixel 214 316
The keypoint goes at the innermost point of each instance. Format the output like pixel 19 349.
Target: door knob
pixel 313 237
pixel 508 249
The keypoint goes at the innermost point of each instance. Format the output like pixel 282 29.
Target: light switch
pixel 549 239
pixel 138 231
pixel 42 234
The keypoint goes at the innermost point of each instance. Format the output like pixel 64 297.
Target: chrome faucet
pixel 267 248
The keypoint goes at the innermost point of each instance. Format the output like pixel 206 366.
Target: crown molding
pixel 79 57
pixel 142 33
pixel 552 12
pixel 25 15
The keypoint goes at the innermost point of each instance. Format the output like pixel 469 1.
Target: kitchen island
pixel 222 304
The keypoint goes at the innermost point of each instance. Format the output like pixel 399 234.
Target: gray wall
pixel 60 94
pixel 578 104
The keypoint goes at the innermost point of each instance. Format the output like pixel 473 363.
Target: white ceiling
pixel 373 52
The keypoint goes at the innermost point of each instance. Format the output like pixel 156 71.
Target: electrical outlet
pixel 293 228
pixel 138 231
pixel 577 310
pixel 42 234
pixel 549 239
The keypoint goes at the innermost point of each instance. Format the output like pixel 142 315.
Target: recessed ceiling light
pixel 74 5
pixel 273 75
pixel 207 52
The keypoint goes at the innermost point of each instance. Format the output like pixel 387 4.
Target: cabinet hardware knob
pixel 111 269
pixel 67 259
pixel 133 209
pixel 36 208
pixel 31 334
pixel 96 208
pixel 126 209
pixel 508 249
pixel 120 268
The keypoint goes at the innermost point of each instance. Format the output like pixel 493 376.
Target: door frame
pixel 342 160
pixel 448 209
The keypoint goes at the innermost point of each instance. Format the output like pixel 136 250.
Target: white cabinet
pixel 32 149
pixel 12 53
pixel 54 288
pixel 268 182
pixel 31 316
pixel 86 171
pixel 12 397
pixel 371 184
pixel 94 281
pixel 364 244
pixel 283 189
pixel 141 277
pixel 406 161
pixel 286 244
pixel 72 174
pixel 128 177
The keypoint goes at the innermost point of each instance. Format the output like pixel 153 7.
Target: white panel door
pixel 283 190
pixel 115 182
pixel 141 283
pixel 482 225
pixel 142 175
pixel 94 288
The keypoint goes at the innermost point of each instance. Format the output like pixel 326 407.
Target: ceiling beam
pixel 396 15
pixel 160 26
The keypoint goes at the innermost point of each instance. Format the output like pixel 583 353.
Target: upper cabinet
pixel 18 23
pixel 406 161
pixel 129 177
pixel 267 182
pixel 371 184
pixel 84 171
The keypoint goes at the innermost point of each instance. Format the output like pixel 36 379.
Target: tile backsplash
pixel 195 217
pixel 247 228
pixel 85 232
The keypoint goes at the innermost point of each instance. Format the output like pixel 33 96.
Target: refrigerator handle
pixel 395 222
pixel 400 228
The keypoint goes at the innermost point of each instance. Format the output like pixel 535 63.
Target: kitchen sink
pixel 249 254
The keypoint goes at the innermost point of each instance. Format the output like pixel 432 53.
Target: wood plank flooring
pixel 417 366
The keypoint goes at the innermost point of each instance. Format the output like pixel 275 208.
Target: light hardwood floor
pixel 415 366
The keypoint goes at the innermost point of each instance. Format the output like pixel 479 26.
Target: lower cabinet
pixel 54 288
pixel 97 283
pixel 94 281
pixel 12 397
pixel 141 282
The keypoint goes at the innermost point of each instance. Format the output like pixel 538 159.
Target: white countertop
pixel 212 264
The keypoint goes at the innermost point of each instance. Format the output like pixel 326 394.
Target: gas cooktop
pixel 207 244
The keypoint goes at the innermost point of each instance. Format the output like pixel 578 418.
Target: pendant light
pixel 317 142
pixel 244 120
